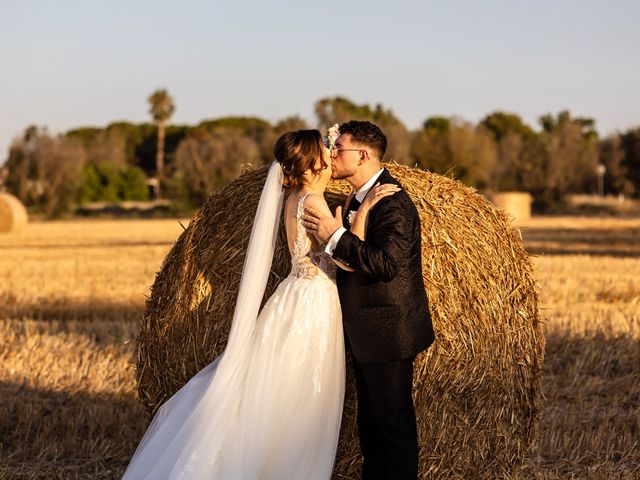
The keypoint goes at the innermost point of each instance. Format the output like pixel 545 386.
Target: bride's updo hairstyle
pixel 298 152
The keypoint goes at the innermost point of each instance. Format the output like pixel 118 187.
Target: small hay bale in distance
pixel 476 390
pixel 13 215
pixel 515 204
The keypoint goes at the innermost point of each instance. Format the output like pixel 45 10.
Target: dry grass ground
pixel 71 294
pixel 589 273
pixel 588 236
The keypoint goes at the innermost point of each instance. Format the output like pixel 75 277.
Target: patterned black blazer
pixel 384 304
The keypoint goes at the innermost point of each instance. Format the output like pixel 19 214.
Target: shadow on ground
pixel 50 434
pixel 69 309
pixel 589 422
pixel 622 242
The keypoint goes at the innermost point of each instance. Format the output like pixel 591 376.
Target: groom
pixel 384 304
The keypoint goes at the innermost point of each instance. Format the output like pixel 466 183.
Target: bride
pixel 269 407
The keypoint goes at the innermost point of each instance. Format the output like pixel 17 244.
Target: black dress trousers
pixel 386 420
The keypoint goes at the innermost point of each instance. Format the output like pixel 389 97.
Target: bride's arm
pixel 318 203
pixel 359 223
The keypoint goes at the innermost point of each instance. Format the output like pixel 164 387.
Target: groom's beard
pixel 342 174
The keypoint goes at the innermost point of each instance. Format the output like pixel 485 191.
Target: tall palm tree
pixel 161 109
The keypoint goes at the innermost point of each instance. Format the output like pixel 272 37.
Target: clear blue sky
pixel 70 63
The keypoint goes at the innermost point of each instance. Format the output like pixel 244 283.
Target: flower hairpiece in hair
pixel 332 135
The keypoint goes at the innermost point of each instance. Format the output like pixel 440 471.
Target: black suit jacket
pixel 384 304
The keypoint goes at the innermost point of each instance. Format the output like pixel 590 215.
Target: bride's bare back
pixel 291 220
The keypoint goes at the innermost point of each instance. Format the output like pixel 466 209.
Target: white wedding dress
pixel 273 411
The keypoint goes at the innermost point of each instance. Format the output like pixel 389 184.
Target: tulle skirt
pixel 272 411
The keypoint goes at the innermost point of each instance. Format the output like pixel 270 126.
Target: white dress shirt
pixel 360 194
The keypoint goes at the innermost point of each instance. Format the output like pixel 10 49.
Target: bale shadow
pixel 101 245
pixel 590 423
pixel 49 434
pixel 619 242
pixel 69 309
pixel 560 251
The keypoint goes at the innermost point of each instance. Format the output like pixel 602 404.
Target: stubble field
pixel 71 294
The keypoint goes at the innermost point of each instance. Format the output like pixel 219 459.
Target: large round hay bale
pixel 476 389
pixel 13 215
pixel 517 205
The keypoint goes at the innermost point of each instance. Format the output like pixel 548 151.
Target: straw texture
pixel 476 390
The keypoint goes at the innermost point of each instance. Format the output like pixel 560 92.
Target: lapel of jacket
pixel 385 177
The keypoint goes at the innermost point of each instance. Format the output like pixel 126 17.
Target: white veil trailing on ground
pixel 192 425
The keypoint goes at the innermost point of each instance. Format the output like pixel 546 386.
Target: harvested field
pixel 590 236
pixel 71 294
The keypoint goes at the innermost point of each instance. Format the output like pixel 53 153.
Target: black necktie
pixel 353 206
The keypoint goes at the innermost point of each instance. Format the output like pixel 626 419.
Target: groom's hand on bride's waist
pixel 321 226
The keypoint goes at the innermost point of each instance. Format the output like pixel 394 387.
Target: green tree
pixel 437 124
pixel 507 174
pixel 473 151
pixel 288 124
pixel 91 190
pixel 630 142
pixel 134 184
pixel 551 124
pixel 572 152
pixel 502 124
pixel 109 145
pixel 208 160
pixel 331 110
pixel 511 135
pixel 85 135
pixel 612 156
pixel 258 130
pixel 161 109
pixel 109 175
pixel 130 134
pixel 561 159
pixel 451 146
pixel 45 171
pixel 111 182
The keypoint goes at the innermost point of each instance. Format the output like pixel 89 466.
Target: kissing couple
pixel 270 406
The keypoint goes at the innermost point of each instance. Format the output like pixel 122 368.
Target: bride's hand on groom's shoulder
pixel 376 194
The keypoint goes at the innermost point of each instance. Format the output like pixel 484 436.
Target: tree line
pixel 563 154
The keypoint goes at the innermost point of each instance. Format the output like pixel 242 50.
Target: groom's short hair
pixel 366 134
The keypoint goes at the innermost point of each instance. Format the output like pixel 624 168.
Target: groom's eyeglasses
pixel 336 149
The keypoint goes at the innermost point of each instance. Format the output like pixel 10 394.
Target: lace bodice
pixel 305 261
